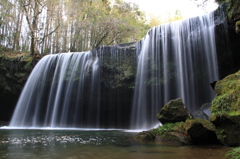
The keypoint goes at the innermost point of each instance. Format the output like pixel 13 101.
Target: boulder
pixel 228 130
pixel 200 115
pixel 174 111
pixel 226 110
pixel 174 139
pixel 204 112
pixel 145 136
pixel 201 131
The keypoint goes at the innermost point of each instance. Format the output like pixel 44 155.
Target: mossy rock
pixel 227 129
pixel 226 110
pixel 174 139
pixel 201 131
pixel 145 136
pixel 172 134
pixel 227 99
pixel 174 111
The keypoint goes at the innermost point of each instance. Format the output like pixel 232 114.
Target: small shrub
pixel 233 153
pixel 169 127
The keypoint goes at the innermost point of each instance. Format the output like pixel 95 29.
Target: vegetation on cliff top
pixel 59 26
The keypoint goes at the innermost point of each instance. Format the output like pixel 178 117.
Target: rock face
pixel 14 71
pixel 226 110
pixel 117 76
pixel 174 111
pixel 227 40
pixel 201 131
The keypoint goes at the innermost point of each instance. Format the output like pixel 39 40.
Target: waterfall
pixel 96 89
pixel 79 90
pixel 62 91
pixel 175 60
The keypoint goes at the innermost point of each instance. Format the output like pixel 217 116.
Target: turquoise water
pixel 75 144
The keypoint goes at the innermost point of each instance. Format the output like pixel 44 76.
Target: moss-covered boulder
pixel 201 131
pixel 172 134
pixel 145 136
pixel 226 110
pixel 228 132
pixel 174 111
pixel 174 139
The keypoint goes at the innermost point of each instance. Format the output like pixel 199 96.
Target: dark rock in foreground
pixel 201 131
pixel 174 111
pixel 226 110
pixel 174 139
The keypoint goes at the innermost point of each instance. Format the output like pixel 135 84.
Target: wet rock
pixel 200 115
pixel 228 130
pixel 226 110
pixel 173 112
pixel 145 136
pixel 201 131
pixel 174 139
pixel 204 112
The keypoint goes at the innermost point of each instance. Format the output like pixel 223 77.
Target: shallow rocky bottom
pixel 36 144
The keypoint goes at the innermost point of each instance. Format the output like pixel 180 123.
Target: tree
pixel 155 20
pixel 33 9
pixel 50 26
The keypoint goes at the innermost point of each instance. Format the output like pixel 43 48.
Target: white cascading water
pixel 56 90
pixel 175 60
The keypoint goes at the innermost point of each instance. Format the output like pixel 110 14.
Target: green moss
pixel 169 127
pixel 227 95
pixel 145 136
pixel 204 123
pixel 234 153
pixel 233 113
pixel 175 138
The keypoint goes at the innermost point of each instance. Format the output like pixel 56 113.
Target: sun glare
pixel 165 7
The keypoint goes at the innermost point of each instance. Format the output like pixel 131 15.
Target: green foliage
pixel 169 127
pixel 227 95
pixel 13 74
pixel 233 9
pixel 234 153
pixel 221 105
pixel 83 24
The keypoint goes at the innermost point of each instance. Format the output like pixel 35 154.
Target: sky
pixel 162 7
